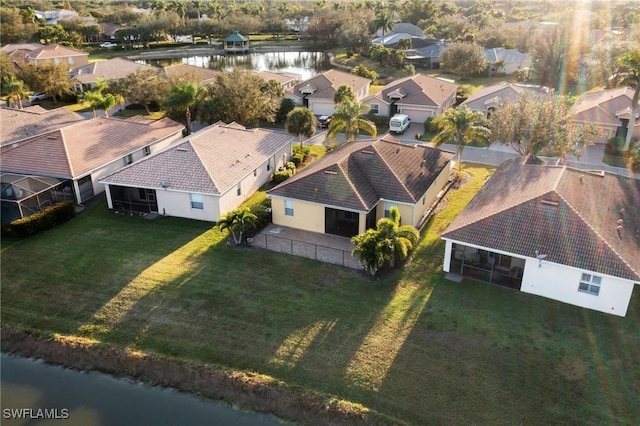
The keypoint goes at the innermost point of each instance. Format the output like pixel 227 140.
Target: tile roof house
pixel 112 69
pixel 419 96
pixel 57 54
pixel 87 150
pixel 349 189
pixel 286 80
pixel 550 230
pixel 506 61
pixel 317 92
pixel 203 176
pixel 21 124
pixel 190 72
pixel 608 110
pixel 489 98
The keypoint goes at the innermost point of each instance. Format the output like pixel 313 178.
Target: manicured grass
pixel 412 346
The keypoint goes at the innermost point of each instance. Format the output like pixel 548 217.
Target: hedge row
pixel 45 219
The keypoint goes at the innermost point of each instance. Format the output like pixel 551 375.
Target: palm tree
pixel 215 9
pixel 180 8
pixel 237 222
pixel 109 100
pixel 15 90
pixel 184 97
pixel 95 100
pixel 197 4
pixel 158 5
pixel 398 239
pixel 384 22
pixel 343 93
pixel 370 251
pixel 460 126
pixel 301 122
pixel 629 75
pixel 347 120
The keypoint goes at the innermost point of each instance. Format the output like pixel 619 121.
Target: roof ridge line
pixel 66 151
pixel 597 233
pixel 352 185
pixel 204 166
pixel 393 172
pixel 560 176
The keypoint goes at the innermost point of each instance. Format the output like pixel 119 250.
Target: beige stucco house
pixel 608 110
pixel 348 190
pixel 419 96
pixel 489 98
pixel 317 92
pixel 57 54
pixel 85 151
pixel 202 176
pixel 85 77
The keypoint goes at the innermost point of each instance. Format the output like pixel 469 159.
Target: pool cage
pixel 24 195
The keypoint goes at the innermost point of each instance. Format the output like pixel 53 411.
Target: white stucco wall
pixel 174 203
pixel 561 283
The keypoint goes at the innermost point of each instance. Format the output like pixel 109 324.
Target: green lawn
pixel 413 346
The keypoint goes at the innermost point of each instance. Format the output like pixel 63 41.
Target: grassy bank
pixel 414 346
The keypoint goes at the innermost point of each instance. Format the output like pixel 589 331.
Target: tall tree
pixel 460 126
pixel 539 126
pixel 383 22
pixel 301 122
pixel 370 250
pixel 49 77
pixel 179 7
pixel 465 59
pixel 144 87
pixel 184 97
pixel 197 5
pixel 628 74
pixel 14 89
pixel 237 222
pixel 399 239
pixel 347 119
pixel 343 93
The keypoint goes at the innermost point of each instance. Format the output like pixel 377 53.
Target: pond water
pixel 34 390
pixel 305 64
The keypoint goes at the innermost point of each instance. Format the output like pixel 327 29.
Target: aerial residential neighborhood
pixel 332 212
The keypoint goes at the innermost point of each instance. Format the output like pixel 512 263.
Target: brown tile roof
pixel 419 89
pixel 601 106
pixel 358 174
pixel 210 161
pixel 111 69
pixel 570 215
pixel 328 82
pixel 190 72
pixel 20 124
pixel 10 48
pixel 503 92
pixel 55 51
pixel 76 149
pixel 280 77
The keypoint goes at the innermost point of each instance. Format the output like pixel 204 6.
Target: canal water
pixel 36 391
pixel 304 64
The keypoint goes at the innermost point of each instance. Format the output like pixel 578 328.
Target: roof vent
pixel 330 172
pixel 366 151
pixel 182 149
pixel 52 137
pixel 549 203
pixel 597 172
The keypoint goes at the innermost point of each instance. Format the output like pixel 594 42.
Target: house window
pixel 196 201
pixel 387 209
pixel 128 159
pixel 56 61
pixel 146 151
pixel 590 284
pixel 239 190
pixel 375 108
pixel 269 164
pixel 288 207
pixel 142 194
pixel 70 60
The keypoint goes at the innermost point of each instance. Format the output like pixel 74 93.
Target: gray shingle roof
pixel 358 174
pixel 210 161
pixel 503 92
pixel 568 214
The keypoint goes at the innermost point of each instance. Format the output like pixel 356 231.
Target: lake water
pixel 94 399
pixel 304 64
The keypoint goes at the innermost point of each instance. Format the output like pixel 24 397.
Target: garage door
pixel 416 115
pixel 321 108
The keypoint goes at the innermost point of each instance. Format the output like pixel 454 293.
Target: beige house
pixel 190 73
pixel 202 176
pixel 317 92
pixel 286 80
pixel 25 123
pixel 348 190
pixel 419 96
pixel 489 98
pixel 85 77
pixel 608 110
pixel 85 151
pixel 54 53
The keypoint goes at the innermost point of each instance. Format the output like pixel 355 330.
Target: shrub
pixel 297 158
pixel 286 106
pixel 282 175
pixel 290 165
pixel 304 152
pixel 429 126
pixel 614 145
pixel 378 120
pixel 634 158
pixel 263 215
pixel 45 219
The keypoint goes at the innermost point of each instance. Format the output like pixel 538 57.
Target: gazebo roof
pixel 235 36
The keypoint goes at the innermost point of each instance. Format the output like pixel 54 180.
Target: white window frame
pixel 590 284
pixel 146 150
pixel 128 159
pixel 375 110
pixel 197 201
pixel 288 208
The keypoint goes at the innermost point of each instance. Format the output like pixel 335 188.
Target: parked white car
pixel 37 96
pixel 108 45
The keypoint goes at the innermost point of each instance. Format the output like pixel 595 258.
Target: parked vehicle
pixel 37 96
pixel 399 123
pixel 108 45
pixel 324 120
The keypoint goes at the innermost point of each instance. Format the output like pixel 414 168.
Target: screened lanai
pixel 24 195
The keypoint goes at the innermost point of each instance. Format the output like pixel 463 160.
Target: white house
pixel 557 232
pixel 419 96
pixel 202 176
pixel 317 92
pixel 85 151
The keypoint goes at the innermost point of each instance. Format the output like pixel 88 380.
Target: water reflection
pixel 304 64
